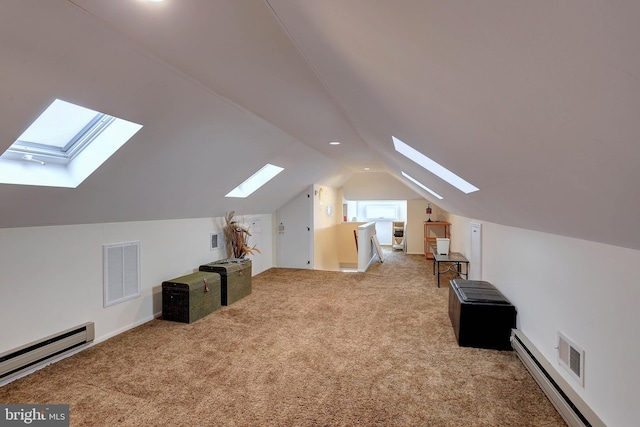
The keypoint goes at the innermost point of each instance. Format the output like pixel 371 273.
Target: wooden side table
pixel 431 229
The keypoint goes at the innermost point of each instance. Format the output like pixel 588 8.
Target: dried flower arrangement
pixel 236 236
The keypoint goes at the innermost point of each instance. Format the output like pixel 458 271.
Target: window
pixel 63 146
pixel 59 133
pixel 421 185
pixel 255 181
pixel 433 167
pixel 374 212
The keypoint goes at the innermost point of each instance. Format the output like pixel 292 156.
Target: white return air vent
pixel 571 357
pixel 121 272
pixel 217 241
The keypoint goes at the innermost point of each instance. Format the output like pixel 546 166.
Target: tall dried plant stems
pixel 236 236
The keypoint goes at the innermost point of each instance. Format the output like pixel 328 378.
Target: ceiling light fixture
pixel 421 185
pixel 433 167
pixel 334 143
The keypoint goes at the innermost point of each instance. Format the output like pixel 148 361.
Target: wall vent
pixel 217 241
pixel 121 272
pixel 571 357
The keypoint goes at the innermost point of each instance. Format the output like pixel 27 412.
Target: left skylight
pixel 63 146
pixel 255 181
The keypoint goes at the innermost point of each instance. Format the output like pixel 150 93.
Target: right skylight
pixel 421 185
pixel 433 167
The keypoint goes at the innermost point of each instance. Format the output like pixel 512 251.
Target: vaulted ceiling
pixel 536 103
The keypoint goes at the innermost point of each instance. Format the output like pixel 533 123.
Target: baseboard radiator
pixel 568 403
pixel 43 351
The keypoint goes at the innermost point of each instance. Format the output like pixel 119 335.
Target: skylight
pixel 255 181
pixel 421 185
pixel 63 146
pixel 59 133
pixel 433 167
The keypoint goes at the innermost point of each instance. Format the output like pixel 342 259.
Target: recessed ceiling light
pixel 334 143
pixel 367 169
pixel 421 185
pixel 433 167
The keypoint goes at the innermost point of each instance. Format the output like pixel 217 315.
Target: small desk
pixel 455 261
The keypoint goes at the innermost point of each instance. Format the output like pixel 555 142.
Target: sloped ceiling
pixel 535 103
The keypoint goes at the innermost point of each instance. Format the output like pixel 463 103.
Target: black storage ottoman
pixel 480 315
pixel 189 298
pixel 235 278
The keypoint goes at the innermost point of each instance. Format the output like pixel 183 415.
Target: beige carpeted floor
pixel 306 348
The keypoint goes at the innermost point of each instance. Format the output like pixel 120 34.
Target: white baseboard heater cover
pixel 568 403
pixel 39 353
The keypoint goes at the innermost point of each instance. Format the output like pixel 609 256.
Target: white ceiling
pixel 536 103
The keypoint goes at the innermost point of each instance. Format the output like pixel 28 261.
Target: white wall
pixel 52 277
pixel 376 186
pixel 586 290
